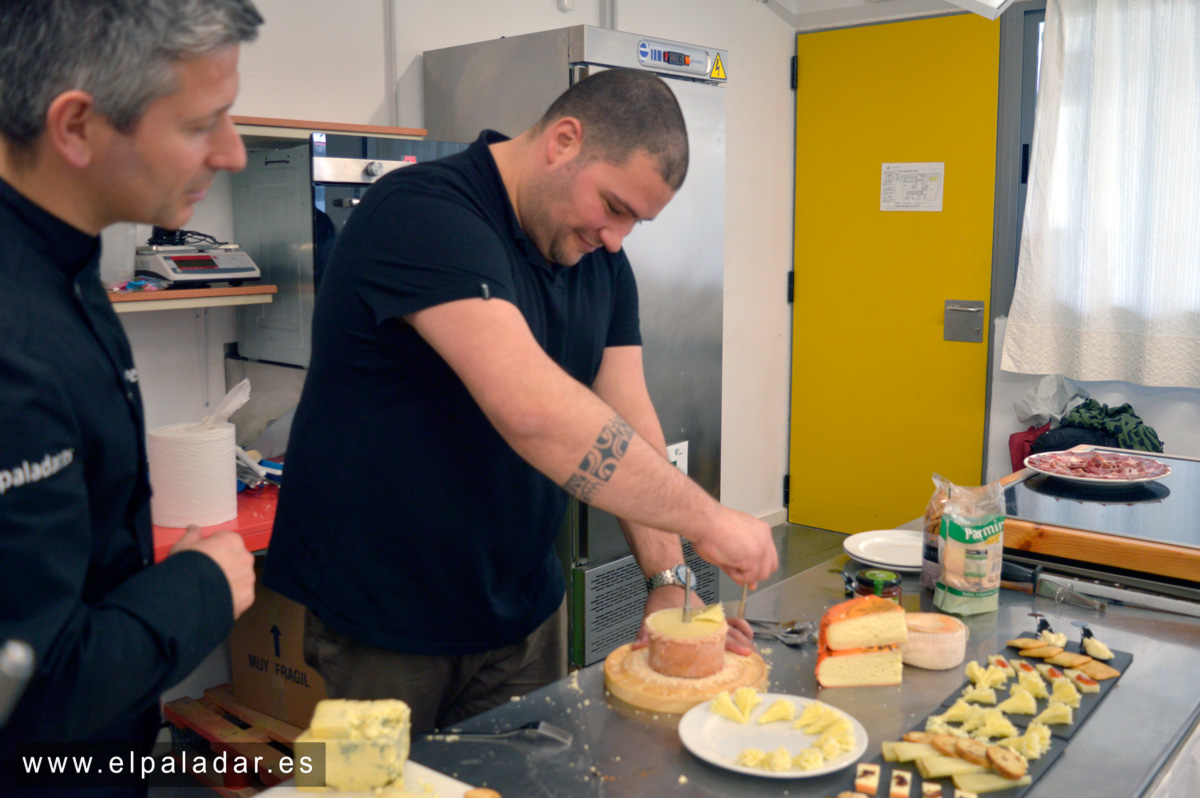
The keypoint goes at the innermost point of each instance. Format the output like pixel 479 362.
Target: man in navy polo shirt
pixel 109 111
pixel 476 359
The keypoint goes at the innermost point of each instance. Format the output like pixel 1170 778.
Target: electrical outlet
pixel 677 454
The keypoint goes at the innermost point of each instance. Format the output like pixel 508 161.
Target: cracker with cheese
pixel 1041 652
pixel 1068 659
pixel 1022 643
pixel 1006 762
pixel 1098 670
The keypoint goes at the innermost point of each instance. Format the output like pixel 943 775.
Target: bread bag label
pixel 970 548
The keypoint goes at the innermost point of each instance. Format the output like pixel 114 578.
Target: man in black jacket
pixel 110 110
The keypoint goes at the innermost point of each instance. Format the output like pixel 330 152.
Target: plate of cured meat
pixel 1098 468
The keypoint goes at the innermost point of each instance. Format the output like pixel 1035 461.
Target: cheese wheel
pixel 859 667
pixel 629 677
pixel 935 642
pixel 690 650
pixel 862 622
pixel 858 643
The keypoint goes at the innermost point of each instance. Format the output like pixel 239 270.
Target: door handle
pixel 957 325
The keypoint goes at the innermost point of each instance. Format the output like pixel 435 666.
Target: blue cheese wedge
pixel 365 743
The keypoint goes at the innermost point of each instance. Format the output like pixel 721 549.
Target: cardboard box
pixel 266 651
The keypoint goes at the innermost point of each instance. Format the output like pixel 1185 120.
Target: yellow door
pixel 879 400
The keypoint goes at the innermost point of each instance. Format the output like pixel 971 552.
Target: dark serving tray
pixel 1060 733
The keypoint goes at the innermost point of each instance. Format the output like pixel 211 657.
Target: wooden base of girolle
pixel 628 676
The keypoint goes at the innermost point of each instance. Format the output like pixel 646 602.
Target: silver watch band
pixel 680 575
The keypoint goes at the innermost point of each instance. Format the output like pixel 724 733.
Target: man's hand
pixel 741 546
pixel 229 552
pixel 739 640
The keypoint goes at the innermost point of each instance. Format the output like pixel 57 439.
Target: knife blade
pixel 1062 594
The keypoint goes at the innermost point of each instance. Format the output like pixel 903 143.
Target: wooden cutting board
pixel 416 777
pixel 627 675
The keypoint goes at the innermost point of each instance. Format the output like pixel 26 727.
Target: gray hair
pixel 118 51
pixel 624 111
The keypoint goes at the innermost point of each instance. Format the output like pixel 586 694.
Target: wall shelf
pixel 260 131
pixel 181 298
pixel 254 522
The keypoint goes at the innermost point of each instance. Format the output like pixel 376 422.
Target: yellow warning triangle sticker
pixel 718 70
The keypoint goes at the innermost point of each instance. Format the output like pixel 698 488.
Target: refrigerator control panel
pixel 673 57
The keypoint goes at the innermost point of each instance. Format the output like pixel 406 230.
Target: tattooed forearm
pixel 601 460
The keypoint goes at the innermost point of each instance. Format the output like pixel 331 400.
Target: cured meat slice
pixel 1098 465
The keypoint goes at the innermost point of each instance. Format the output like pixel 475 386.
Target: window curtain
pixel 1108 278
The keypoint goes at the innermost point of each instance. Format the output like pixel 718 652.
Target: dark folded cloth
pixel 1121 422
pixel 1060 439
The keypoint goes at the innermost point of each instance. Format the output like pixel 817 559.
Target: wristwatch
pixel 679 575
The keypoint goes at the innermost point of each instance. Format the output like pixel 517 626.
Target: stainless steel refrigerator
pixel 506 84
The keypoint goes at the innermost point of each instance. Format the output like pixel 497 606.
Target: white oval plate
pixel 1098 482
pixel 718 740
pixel 899 549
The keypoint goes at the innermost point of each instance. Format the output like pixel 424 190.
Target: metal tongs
pixel 790 633
pixel 538 730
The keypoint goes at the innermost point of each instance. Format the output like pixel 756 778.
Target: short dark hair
pixel 118 51
pixel 624 111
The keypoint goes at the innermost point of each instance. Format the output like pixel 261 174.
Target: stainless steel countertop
pixel 621 751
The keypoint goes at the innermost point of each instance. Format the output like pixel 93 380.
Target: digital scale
pixel 192 265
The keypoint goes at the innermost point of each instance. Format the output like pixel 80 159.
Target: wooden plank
pixel 192 293
pixel 191 714
pixel 278 730
pixel 329 127
pixel 1099 548
pixel 227 736
pixel 187 304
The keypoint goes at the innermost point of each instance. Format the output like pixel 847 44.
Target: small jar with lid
pixel 878 582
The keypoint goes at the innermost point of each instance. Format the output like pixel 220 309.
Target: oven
pixel 289 205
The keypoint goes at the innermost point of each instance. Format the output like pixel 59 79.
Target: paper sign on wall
pixel 912 187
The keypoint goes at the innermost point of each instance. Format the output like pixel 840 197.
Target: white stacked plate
pixel 896 549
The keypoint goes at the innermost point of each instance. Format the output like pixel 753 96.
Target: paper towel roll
pixel 193 474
